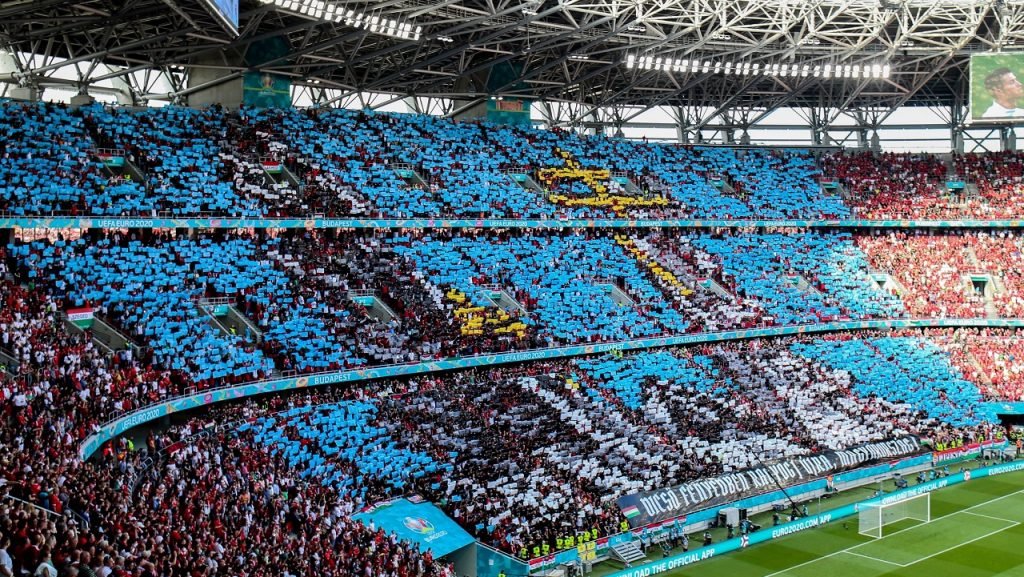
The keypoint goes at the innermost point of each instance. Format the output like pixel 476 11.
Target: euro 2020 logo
pixel 419 525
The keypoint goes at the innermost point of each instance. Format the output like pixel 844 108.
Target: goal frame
pixel 872 518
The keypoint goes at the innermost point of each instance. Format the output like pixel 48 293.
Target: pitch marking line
pixel 958 545
pixel 848 549
pixel 966 512
pixel 874 558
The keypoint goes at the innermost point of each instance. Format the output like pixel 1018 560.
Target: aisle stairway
pixel 628 552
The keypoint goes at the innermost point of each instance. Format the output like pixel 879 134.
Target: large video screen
pixel 226 11
pixel 997 91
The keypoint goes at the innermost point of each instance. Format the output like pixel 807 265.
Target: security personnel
pixel 545 549
pixel 624 526
pixel 559 543
pixel 570 542
pixel 536 552
pixel 524 554
pixel 501 573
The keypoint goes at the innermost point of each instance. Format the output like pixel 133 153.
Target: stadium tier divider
pixel 59 222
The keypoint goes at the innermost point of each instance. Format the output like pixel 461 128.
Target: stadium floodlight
pixel 729 67
pixel 330 12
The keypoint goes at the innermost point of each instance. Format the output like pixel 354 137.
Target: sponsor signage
pixel 420 523
pixel 676 561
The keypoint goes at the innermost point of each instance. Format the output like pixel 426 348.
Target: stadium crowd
pixel 267 162
pixel 523 457
pixel 502 467
pixel 954 274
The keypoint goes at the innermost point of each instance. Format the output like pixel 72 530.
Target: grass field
pixel 977 529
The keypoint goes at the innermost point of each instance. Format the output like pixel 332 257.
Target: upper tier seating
pixel 211 162
pixel 890 185
pixel 178 149
pixel 47 165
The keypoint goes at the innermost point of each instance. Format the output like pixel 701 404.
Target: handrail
pixel 68 512
pixel 205 301
pixel 109 151
pixel 153 411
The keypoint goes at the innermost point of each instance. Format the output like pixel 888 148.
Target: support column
pixel 228 93
pixel 24 90
pixel 1007 138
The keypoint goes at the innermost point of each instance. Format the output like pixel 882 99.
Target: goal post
pixel 874 517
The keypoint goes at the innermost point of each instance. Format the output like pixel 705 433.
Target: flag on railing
pixel 81 318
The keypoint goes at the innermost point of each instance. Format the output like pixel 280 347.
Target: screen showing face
pixel 997 94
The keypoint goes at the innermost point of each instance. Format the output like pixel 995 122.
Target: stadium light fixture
pixel 331 12
pixel 876 70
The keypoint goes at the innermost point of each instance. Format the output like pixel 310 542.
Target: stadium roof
pixel 557 50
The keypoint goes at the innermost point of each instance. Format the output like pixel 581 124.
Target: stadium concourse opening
pixel 296 288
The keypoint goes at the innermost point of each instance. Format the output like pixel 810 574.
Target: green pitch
pixel 977 529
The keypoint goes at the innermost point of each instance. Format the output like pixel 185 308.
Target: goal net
pixel 874 517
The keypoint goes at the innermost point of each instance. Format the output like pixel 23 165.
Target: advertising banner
pixel 1004 408
pixel 421 523
pixel 964 452
pixel 266 90
pixel 768 534
pixel 653 506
